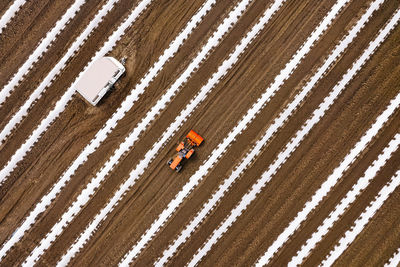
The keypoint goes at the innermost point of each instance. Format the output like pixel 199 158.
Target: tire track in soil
pixel 167 36
pixel 268 201
pixel 89 115
pixel 46 62
pixel 48 169
pixel 23 33
pixel 93 115
pixel 178 221
pixel 205 73
pixel 165 158
pixel 264 114
pixel 245 187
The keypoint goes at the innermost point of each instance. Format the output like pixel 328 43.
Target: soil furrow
pixel 289 182
pixel 295 182
pixel 24 32
pixel 321 151
pixel 164 199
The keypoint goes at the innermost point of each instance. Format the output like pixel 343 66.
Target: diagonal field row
pixel 132 155
pixel 394 260
pixel 10 13
pixel 25 42
pixel 17 117
pixel 320 251
pixel 383 229
pixel 289 149
pixel 278 123
pixel 133 136
pixel 88 186
pixel 361 221
pixel 44 44
pixel 272 212
pixel 350 197
pixel 203 234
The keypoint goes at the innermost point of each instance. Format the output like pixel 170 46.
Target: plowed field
pixel 131 208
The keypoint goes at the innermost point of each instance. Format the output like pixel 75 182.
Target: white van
pixel 99 78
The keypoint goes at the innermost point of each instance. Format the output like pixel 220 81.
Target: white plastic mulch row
pixel 349 159
pixel 276 125
pixel 44 45
pixel 10 13
pixel 62 103
pixel 362 221
pixel 136 173
pixel 46 200
pixel 47 81
pixel 394 260
pixel 220 150
pixel 84 197
pixel 345 203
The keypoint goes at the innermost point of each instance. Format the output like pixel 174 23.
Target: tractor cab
pixel 185 150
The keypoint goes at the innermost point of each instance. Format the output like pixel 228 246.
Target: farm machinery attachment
pixel 185 150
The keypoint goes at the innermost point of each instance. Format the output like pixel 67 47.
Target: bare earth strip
pixel 160 171
pixel 226 162
pixel 284 188
pixel 182 21
pixel 365 97
pixel 36 20
pixel 130 140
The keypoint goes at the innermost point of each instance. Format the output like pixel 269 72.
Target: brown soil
pixel 294 184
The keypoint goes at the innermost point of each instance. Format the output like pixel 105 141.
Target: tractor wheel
pixel 178 168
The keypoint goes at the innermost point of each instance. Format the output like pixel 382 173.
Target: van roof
pixel 96 77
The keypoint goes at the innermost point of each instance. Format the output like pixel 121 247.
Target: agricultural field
pixel 298 103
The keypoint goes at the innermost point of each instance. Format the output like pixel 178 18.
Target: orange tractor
pixel 185 150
